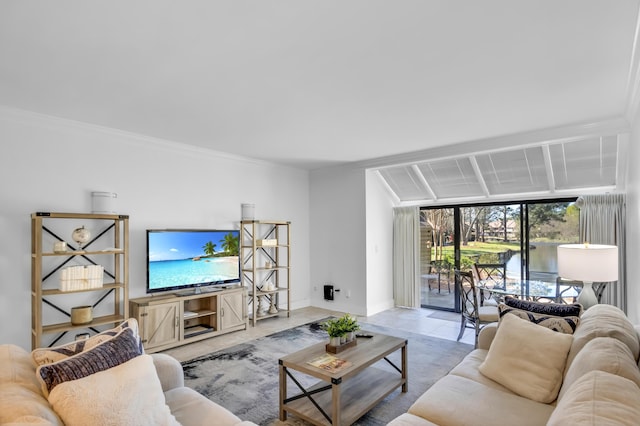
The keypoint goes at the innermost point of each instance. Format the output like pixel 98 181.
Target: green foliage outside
pixel 478 252
pixel 482 243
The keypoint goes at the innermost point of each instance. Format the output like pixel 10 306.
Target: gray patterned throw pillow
pixel 108 354
pixel 555 309
pixel 566 325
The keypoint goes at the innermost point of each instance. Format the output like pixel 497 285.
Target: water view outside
pixel 543 262
pixel 492 234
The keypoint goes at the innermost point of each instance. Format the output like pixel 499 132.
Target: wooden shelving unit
pixel 265 251
pixel 167 321
pixel 50 305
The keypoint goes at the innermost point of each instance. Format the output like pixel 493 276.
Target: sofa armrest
pixel 169 371
pixel 486 336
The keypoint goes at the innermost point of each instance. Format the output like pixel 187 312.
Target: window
pixel 524 235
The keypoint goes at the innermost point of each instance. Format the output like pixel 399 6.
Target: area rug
pixel 244 378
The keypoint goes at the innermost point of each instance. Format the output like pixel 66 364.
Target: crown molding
pixel 30 118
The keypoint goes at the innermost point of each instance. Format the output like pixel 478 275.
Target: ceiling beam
pixel 424 182
pixel 481 181
pixel 546 152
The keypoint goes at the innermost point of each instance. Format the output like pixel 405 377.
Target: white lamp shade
pixel 588 262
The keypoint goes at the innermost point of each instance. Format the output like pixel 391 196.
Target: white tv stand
pixel 167 321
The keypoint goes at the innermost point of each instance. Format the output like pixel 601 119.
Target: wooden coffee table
pixel 342 397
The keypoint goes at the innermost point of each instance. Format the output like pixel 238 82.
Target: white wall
pixel 47 164
pixel 338 233
pixel 379 245
pixel 633 225
pixel 352 217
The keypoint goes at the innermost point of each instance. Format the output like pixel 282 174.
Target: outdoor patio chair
pixel 564 286
pixel 494 273
pixel 440 268
pixel 473 314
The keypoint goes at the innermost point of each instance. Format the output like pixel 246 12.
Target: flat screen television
pixel 179 259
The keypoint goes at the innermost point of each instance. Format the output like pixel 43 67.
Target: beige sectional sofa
pixel 145 390
pixel 598 379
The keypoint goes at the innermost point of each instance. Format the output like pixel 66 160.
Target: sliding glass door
pixel 437 288
pixel 524 235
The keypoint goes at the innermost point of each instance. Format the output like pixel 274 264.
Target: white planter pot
pixel 334 341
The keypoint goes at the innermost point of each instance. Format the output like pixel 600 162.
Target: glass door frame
pixel 524 235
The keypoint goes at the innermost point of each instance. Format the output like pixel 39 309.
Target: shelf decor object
pixel 81 315
pixel 68 288
pixel 265 252
pixel 81 236
pixel 588 263
pixel 81 277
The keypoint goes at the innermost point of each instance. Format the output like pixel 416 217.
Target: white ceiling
pixel 326 82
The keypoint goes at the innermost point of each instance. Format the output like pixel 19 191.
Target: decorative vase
pixel 334 341
pixel 273 309
pixel 260 309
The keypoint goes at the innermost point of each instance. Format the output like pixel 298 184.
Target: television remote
pixel 365 335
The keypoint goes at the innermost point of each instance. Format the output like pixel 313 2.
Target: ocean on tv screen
pixel 173 273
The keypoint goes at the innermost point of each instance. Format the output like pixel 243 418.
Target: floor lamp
pixel 588 263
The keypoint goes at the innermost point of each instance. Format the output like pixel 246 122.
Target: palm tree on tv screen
pixel 209 248
pixel 230 244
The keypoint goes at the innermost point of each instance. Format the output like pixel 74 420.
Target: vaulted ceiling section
pixel 548 169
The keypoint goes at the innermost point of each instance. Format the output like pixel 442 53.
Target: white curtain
pixel 602 221
pixel 406 263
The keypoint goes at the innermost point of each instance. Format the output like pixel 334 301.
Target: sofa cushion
pixel 20 397
pixel 527 359
pixel 602 354
pixel 455 400
pixel 43 356
pixel 599 398
pixel 604 321
pixel 191 408
pixel 469 368
pixel 106 355
pixel 555 309
pixel 565 324
pixel 134 397
pixel 169 371
pixel 407 419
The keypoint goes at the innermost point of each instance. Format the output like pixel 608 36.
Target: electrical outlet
pixel 348 293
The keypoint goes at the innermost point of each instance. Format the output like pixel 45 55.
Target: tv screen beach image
pixel 179 258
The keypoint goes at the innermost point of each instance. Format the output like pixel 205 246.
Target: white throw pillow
pixel 527 359
pixel 128 394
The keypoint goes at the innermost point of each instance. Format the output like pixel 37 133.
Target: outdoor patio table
pixel 525 289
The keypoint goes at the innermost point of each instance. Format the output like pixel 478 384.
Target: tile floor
pixel 444 325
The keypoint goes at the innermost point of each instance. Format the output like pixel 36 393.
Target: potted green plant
pixel 333 327
pixel 340 330
pixel 350 326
